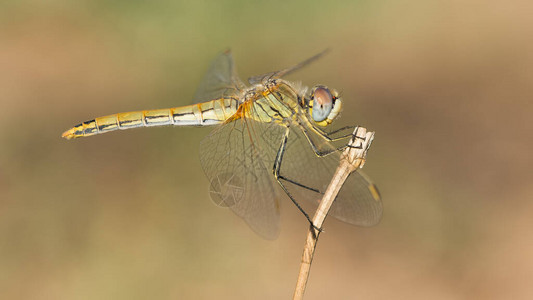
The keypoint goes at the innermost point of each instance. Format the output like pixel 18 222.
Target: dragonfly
pixel 268 133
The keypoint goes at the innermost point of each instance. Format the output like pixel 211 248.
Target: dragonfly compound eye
pixel 322 103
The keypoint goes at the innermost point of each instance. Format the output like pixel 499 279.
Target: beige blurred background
pixel 446 85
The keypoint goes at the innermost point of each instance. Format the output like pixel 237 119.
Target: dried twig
pixel 352 158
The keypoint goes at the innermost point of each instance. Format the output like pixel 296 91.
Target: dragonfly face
pixel 268 133
pixel 324 105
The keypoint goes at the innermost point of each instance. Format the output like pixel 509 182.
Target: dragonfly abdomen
pixel 202 114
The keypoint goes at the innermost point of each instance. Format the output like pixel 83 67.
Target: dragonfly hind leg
pixel 276 171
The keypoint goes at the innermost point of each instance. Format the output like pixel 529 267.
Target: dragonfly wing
pixel 257 79
pixel 261 78
pixel 240 173
pixel 358 201
pixel 220 80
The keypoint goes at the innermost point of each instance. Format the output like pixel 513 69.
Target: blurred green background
pixel 446 85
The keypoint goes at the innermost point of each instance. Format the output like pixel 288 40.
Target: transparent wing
pixel 220 80
pixel 261 78
pixel 238 164
pixel 238 159
pixel 358 201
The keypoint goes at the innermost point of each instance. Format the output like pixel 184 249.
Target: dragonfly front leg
pixel 328 135
pixel 323 152
pixel 276 171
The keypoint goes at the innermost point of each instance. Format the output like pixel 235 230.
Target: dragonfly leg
pixel 328 135
pixel 276 170
pixel 322 153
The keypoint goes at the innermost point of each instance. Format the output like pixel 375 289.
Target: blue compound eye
pixel 322 104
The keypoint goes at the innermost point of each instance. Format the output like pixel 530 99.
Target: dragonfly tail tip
pixel 69 134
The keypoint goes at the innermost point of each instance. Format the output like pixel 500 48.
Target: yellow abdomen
pixel 202 114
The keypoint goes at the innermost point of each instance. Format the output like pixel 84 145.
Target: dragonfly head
pixel 324 105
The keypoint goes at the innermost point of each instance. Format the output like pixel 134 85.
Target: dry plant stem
pixel 352 158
